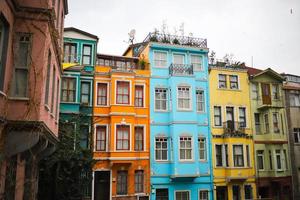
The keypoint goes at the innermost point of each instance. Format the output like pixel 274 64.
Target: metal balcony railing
pixel 181 69
pixel 234 127
pixel 176 40
pixel 272 101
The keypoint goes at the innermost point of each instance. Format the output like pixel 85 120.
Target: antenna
pixel 131 36
pixel 181 29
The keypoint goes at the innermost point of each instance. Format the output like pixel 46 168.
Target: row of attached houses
pixel 164 124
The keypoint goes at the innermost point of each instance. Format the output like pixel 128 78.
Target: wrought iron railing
pixel 272 101
pixel 177 40
pixel 181 69
pixel 234 127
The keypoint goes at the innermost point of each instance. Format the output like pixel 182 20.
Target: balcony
pixel 234 128
pixel 181 70
pixel 176 40
pixel 269 101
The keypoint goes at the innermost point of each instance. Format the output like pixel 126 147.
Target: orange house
pixel 121 129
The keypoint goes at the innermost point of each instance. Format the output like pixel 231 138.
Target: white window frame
pixel 167 105
pixel 144 95
pixel 95 137
pixel 189 191
pixel 205 148
pixel 246 123
pixel 154 59
pixel 161 137
pixel 179 54
pixel 226 84
pixel 243 156
pixel 275 115
pixel 203 190
pixel 203 102
pixel 262 155
pixel 191 148
pixel 223 155
pixel 90 92
pixel 281 162
pixel 76 88
pixel 238 81
pixel 107 92
pixel 130 92
pixel 201 62
pixel 221 117
pixel 144 136
pixel 129 137
pixel 296 131
pixel 189 98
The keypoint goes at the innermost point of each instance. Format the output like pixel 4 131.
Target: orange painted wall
pixel 116 114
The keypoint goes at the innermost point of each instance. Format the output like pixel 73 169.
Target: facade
pixel 232 133
pixel 121 129
pixel 179 116
pixel 77 88
pixel 273 170
pixel 292 103
pixel 30 49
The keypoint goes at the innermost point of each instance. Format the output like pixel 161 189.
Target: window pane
pixel 21 76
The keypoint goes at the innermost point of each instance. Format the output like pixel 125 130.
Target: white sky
pixel 268 30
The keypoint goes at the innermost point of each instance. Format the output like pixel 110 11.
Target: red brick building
pixel 30 75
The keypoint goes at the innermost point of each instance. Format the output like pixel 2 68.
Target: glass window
pixel 139 138
pixel 139 96
pixel 123 92
pixel 196 61
pixel 297 135
pixel 53 89
pixel 160 59
pixel 184 98
pixel 257 123
pixel 200 101
pixel 260 159
pixel 202 148
pixel 162 194
pixel 178 59
pixel 102 94
pixel 122 182
pixel 57 97
pixel 234 82
pixel 275 91
pixel 278 159
pixel 238 155
pixel 267 126
pixel 182 195
pixel 161 148
pixel 203 195
pixel 4 33
pixel 295 99
pixel 101 138
pixel 87 54
pixel 248 192
pixel 255 90
pixel 161 99
pixel 123 140
pixel 248 155
pixel 70 53
pixel 139 181
pixel 270 160
pixel 85 92
pixel 242 117
pixel 84 136
pixel 22 62
pixel 285 159
pixel 222 81
pixel 48 78
pixel 275 123
pixel 68 90
pixel 185 148
pixel 217 116
pixel 219 155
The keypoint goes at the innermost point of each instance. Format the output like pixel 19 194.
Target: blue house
pixel 80 49
pixel 180 138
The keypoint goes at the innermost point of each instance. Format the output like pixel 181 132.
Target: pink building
pixel 30 75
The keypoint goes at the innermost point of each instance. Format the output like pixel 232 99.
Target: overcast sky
pixel 268 30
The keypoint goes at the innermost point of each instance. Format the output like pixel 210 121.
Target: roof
pixel 252 71
pixel 114 56
pixel 133 46
pixel 81 32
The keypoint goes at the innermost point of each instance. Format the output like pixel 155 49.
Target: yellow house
pixel 232 137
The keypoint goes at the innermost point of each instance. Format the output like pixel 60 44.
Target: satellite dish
pixel 132 33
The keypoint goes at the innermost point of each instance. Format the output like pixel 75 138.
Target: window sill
pixel 67 102
pixel 102 106
pixel 161 111
pixel 201 112
pixel 202 161
pixel 52 115
pixel 183 110
pixel 163 161
pixel 236 90
pixel 19 98
pixel 3 94
pixel 47 107
pixel 186 161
